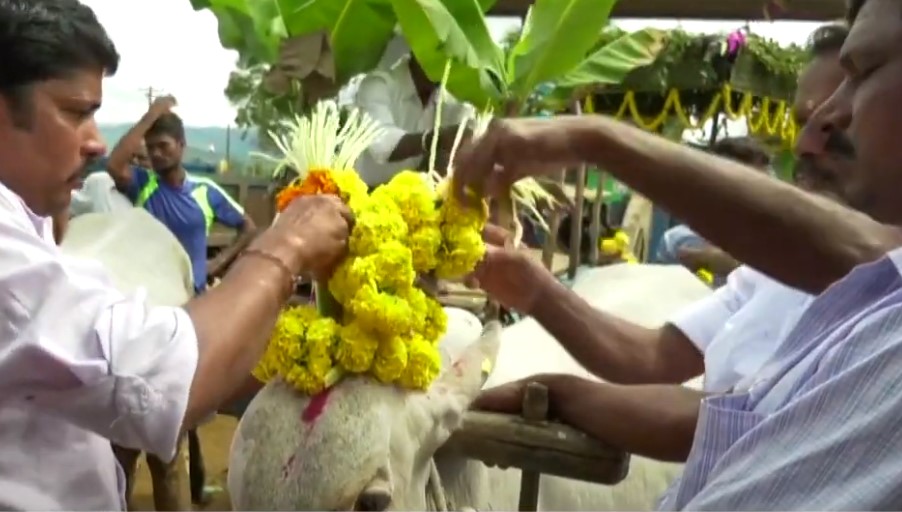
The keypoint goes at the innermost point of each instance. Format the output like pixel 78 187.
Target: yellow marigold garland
pixel 390 328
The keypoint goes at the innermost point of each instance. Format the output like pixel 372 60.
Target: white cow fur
pixel 138 251
pixel 374 442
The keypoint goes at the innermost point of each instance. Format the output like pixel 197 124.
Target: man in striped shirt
pixel 820 426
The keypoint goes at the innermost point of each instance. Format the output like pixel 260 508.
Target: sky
pixel 167 45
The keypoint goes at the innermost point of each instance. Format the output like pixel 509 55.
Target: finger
pixel 504 399
pixel 474 164
pixel 496 235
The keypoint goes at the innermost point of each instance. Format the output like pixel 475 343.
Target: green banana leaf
pixel 252 27
pixel 442 30
pixel 611 63
pixel 359 30
pixel 556 37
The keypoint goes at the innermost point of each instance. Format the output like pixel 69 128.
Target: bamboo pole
pixel 576 221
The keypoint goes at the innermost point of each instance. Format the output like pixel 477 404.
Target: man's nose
pixel 833 115
pixel 94 145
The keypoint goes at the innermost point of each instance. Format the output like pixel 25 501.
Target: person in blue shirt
pixel 188 205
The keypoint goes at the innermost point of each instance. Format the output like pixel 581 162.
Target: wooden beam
pixel 549 448
pixel 800 10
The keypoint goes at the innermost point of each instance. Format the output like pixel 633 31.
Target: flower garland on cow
pixel 370 317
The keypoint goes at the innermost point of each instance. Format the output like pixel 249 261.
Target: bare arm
pixel 246 234
pixel 819 241
pixel 656 421
pixel 119 162
pixel 233 321
pixel 614 349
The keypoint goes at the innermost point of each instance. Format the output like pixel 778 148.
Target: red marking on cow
pixel 316 406
pixel 287 467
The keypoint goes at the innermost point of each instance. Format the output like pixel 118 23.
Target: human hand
pixel 162 105
pixel 512 149
pixel 509 275
pixel 312 233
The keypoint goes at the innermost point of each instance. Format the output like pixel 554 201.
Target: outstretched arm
pixel 801 239
pixel 656 421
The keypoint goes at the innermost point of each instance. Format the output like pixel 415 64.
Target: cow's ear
pixel 450 396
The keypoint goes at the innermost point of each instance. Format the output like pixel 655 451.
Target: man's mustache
pixel 840 145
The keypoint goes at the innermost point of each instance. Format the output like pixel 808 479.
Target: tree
pixel 258 107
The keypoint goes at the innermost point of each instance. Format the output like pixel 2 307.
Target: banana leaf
pixel 455 30
pixel 252 27
pixel 556 37
pixel 359 30
pixel 611 63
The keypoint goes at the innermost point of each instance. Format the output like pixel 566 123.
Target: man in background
pixel 403 99
pixel 680 244
pixel 188 205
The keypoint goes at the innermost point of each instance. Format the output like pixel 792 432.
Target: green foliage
pixel 556 36
pixel 439 31
pixel 257 108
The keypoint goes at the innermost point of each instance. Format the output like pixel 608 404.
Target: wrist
pixel 290 250
pixel 543 290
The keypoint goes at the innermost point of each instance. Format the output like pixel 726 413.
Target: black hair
pixel 827 39
pixel 168 124
pixel 742 149
pixel 48 39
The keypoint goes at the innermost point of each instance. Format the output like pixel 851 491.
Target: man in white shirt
pixel 727 337
pixel 402 99
pixel 80 363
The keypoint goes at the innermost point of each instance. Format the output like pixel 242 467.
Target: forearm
pixel 612 348
pixel 655 421
pixel 801 239
pixel 121 154
pixel 720 262
pixel 228 255
pixel 409 146
pixel 233 322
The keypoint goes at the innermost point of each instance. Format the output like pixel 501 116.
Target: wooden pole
pixel 550 448
pixel 535 410
pixel 576 222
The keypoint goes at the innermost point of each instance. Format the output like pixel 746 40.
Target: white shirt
pixel 390 98
pixel 98 195
pixel 80 365
pixel 739 326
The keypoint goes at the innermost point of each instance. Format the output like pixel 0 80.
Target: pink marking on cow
pixel 316 406
pixel 458 368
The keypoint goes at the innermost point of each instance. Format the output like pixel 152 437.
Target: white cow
pixel 366 446
pixel 370 447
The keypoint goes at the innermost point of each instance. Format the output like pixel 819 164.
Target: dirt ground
pixel 215 438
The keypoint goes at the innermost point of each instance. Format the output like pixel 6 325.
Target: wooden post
pixel 535 410
pixel 595 221
pixel 576 222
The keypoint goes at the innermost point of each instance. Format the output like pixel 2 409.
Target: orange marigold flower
pixel 317 182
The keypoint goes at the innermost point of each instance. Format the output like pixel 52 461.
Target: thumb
pixel 504 399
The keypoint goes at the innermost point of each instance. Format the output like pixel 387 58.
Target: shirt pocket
pixel 722 421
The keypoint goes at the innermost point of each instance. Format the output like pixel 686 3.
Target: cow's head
pixel 358 446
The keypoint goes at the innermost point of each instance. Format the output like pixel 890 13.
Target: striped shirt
pixel 821 427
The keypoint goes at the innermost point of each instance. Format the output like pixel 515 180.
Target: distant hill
pixel 200 139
